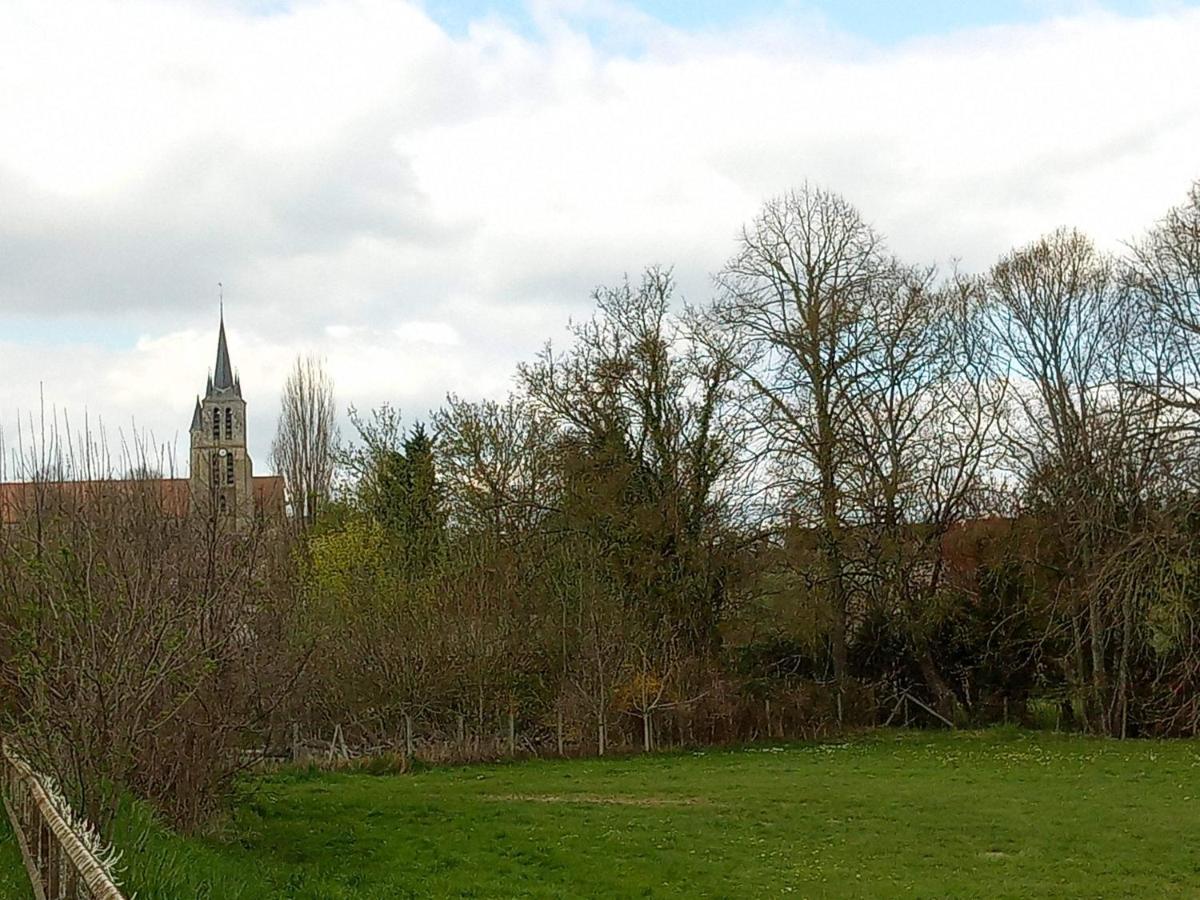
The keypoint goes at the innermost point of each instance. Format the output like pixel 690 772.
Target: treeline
pixel 846 490
pixel 844 480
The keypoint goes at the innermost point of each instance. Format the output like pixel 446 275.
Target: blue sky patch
pixel 881 22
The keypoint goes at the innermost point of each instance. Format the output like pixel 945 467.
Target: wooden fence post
pixel 53 860
pixel 42 852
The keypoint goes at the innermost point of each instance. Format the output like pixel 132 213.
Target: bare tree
pixel 497 463
pixel 302 451
pixel 797 298
pixel 1163 277
pixel 644 408
pixel 926 429
pixel 138 646
pixel 1083 440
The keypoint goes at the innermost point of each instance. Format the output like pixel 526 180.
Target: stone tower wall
pixel 218 485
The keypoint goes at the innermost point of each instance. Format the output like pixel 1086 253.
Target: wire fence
pixel 63 855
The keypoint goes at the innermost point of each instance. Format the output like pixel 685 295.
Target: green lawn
pixel 14 883
pixel 986 814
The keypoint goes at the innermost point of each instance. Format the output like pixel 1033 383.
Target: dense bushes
pixel 139 647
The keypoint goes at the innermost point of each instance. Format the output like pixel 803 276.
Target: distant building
pixel 222 474
pixel 221 481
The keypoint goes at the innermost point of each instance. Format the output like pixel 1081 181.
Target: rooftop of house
pixel 21 499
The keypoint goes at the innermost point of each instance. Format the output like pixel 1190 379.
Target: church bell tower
pixel 221 470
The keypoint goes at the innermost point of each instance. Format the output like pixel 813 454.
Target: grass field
pixel 989 814
pixel 14 883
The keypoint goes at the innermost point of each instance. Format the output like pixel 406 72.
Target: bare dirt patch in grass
pixel 597 800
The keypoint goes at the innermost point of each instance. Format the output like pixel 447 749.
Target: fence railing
pixel 60 864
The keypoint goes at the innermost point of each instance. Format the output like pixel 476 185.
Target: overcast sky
pixel 425 192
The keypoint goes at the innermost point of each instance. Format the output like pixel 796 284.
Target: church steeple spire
pixel 222 479
pixel 223 371
pixel 223 380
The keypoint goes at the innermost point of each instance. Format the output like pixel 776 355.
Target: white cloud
pixel 424 211
pixel 436 333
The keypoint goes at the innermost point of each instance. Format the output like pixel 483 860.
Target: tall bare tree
pixel 1083 440
pixel 926 431
pixel 302 451
pixel 1163 276
pixel 797 297
pixel 644 411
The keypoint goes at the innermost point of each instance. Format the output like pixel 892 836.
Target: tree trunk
pixel 1081 674
pixel 479 722
pixel 831 525
pixel 1099 685
pixel 943 696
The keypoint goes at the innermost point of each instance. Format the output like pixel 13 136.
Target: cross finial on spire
pixel 221 299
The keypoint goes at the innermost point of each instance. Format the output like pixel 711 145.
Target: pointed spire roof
pixel 196 417
pixel 223 371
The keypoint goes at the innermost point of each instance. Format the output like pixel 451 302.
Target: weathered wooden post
pixel 53 863
pixel 71 884
pixel 42 853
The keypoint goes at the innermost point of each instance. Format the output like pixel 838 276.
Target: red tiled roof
pixel 18 499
